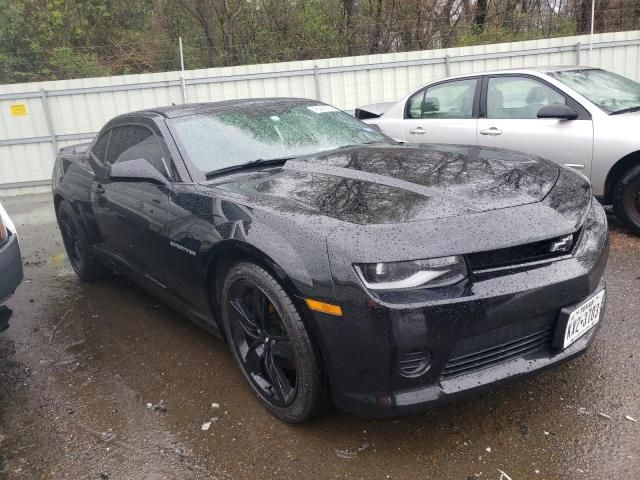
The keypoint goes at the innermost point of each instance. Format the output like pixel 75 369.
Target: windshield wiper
pixel 353 145
pixel 259 162
pixel 626 110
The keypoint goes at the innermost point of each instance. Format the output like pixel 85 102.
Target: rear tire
pixel 626 199
pixel 271 345
pixel 82 259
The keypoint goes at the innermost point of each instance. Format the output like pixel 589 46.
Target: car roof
pixel 539 69
pixel 174 111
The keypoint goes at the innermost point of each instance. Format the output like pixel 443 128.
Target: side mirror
pixel 559 111
pixel 136 170
pixel 430 105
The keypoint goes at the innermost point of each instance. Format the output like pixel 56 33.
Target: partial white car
pixel 10 264
pixel 584 118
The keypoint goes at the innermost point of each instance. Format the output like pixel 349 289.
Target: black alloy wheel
pixel 71 240
pixel 82 260
pixel 263 344
pixel 270 344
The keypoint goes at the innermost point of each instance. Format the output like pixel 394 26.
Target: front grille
pixel 530 252
pixel 504 352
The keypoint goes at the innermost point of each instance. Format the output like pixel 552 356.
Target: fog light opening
pixel 414 364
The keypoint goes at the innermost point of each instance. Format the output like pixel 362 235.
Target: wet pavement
pixel 84 367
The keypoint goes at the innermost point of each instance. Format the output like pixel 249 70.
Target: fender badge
pixel 184 249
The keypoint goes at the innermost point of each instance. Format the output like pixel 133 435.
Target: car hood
pixel 372 185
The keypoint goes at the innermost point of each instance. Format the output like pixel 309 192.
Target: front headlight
pixel 429 273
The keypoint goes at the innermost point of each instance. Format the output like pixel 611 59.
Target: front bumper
pixel 505 319
pixel 10 267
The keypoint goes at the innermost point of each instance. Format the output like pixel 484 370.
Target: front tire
pixel 626 199
pixel 82 260
pixel 270 344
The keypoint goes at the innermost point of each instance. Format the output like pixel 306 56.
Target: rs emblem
pixel 563 244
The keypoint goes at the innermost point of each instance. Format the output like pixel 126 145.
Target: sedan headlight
pixel 429 273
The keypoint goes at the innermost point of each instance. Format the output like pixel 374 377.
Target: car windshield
pixel 264 131
pixel 609 91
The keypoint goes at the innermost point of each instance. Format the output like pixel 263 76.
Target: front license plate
pixel 583 318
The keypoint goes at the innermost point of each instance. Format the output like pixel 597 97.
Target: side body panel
pixel 568 142
pixel 454 131
pixel 615 137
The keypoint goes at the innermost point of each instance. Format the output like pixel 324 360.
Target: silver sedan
pixel 584 118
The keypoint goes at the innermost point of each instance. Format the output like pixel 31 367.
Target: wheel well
pixel 233 252
pixel 620 167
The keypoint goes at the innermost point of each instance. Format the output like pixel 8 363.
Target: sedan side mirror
pixel 137 169
pixel 559 111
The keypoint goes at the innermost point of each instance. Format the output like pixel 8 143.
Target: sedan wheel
pixel 270 344
pixel 626 199
pixel 632 205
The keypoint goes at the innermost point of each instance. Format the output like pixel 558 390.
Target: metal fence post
pixel 447 65
pixel 47 116
pixel 316 81
pixel 578 47
pixel 182 81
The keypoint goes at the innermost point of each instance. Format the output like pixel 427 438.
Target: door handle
pixel 493 131
pixel 418 131
pixel 99 189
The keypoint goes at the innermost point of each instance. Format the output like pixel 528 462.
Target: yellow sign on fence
pixel 19 109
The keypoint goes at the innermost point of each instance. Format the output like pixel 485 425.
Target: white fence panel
pixel 60 113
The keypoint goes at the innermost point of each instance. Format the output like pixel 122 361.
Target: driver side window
pixel 446 100
pixel 133 142
pixel 519 97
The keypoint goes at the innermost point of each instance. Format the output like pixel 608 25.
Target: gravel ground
pixel 102 381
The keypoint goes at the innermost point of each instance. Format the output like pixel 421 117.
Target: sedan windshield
pixel 612 93
pixel 242 134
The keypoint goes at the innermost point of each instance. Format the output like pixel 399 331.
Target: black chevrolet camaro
pixel 338 265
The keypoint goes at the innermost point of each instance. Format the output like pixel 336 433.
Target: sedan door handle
pixel 99 189
pixel 418 131
pixel 493 131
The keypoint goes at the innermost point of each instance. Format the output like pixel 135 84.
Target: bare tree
pixel 376 35
pixel 204 14
pixel 227 12
pixel 349 7
pixel 480 17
